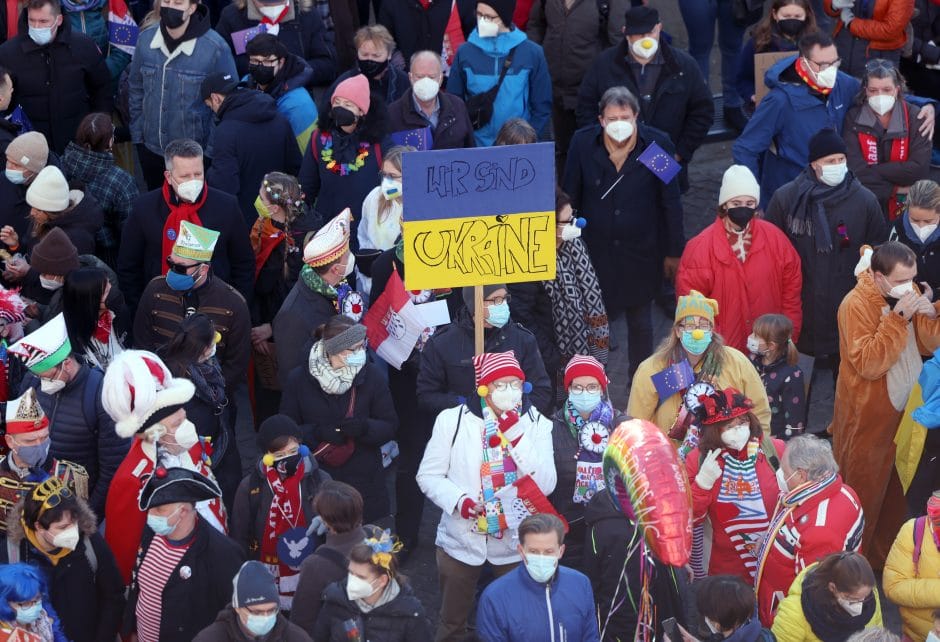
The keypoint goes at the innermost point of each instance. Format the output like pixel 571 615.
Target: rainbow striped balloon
pixel 649 483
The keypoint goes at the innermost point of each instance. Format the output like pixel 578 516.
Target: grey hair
pixel 425 53
pixel 619 97
pixel 812 454
pixel 925 195
pixel 181 148
pixel 877 634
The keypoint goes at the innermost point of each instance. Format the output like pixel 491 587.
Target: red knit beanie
pixel 491 366
pixel 584 366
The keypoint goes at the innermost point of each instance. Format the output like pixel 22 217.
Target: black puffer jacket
pixel 319 413
pixel 401 620
pixel 96 447
pixel 532 307
pixel 226 628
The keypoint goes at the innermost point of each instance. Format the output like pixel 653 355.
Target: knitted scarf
pixel 740 509
pixel 316 283
pixel 806 75
pixel 333 381
pixel 592 435
pixel 265 236
pixel 286 512
pixel 807 216
pixel 180 210
pixel 832 623
pixel 497 470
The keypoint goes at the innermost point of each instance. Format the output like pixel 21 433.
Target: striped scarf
pixel 497 471
pixel 741 490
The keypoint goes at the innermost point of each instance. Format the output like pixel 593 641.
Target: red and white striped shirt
pixel 158 565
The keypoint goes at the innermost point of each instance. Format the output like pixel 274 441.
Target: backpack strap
pixel 91 556
pixel 767 447
pixel 920 525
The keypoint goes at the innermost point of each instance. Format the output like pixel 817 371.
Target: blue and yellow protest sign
pixel 479 216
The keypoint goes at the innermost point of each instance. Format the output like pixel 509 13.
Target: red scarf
pixel 806 74
pixel 265 237
pixel 180 211
pixel 267 21
pixel 286 512
pixel 900 150
pixel 103 328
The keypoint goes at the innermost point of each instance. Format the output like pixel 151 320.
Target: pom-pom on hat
pixel 253 584
pixel 355 89
pixel 330 242
pixel 29 150
pixel 490 366
pixel 585 366
pixel 695 304
pixel 139 391
pixel 45 348
pixel 176 486
pixel 25 415
pixel 722 405
pixel 738 181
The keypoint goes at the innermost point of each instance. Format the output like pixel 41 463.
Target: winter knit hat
pixel 738 181
pixel 356 90
pixel 277 426
pixel 139 391
pixel 696 305
pixel 490 366
pixel 12 306
pixel 825 142
pixel 584 366
pixel 468 299
pixel 29 150
pixel 253 584
pixel 55 254
pixel 504 9
pixel 49 191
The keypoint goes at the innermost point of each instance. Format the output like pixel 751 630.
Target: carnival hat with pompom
pixel 490 366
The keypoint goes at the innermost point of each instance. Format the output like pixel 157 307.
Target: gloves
pixel 466 508
pixel 847 16
pixel 842 4
pixel 710 472
pixel 353 427
pixel 317 526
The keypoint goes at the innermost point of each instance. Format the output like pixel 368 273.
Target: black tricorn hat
pixel 175 486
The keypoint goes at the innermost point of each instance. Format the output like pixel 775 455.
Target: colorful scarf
pixel 179 211
pixel 333 381
pixel 286 512
pixel 497 471
pixel 345 300
pixel 740 509
pixel 806 75
pixel 265 237
pixel 592 435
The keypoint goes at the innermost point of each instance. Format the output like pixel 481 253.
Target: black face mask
pixel 262 74
pixel 172 18
pixel 790 26
pixel 741 216
pixel 343 117
pixel 372 69
pixel 288 465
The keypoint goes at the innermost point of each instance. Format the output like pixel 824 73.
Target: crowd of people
pixel 202 200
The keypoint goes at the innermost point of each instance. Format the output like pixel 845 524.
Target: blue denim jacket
pixel 164 97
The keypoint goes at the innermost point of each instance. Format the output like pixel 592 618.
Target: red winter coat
pixel 724 559
pixel 886 29
pixel 828 521
pixel 769 280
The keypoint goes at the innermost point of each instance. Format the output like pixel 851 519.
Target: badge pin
pixel 186 572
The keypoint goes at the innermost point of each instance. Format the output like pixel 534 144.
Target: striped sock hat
pixel 585 366
pixel 491 366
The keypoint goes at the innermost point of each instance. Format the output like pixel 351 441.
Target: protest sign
pixel 763 62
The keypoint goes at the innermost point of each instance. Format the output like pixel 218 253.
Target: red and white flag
pixel 523 498
pixel 393 323
pixel 453 37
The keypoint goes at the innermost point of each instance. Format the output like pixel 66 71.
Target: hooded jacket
pixel 80 222
pixel 401 620
pixel 526 91
pixel 251 139
pixel 289 89
pixel 227 628
pixel 910 586
pixel 928 253
pixel 85 586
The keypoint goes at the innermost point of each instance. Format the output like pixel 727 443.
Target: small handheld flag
pixel 673 379
pixel 661 163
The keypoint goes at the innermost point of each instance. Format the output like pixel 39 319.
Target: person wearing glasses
pixel 883 149
pixel 380 225
pixel 807 93
pixel 188 286
pixel 25 607
pixel 830 600
pixel 478 448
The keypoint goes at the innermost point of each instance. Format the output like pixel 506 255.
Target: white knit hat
pixel 738 181
pixel 139 391
pixel 49 191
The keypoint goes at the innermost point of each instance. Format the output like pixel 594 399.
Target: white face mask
pixel 51 386
pixel 570 232
pixel 358 588
pixel 186 436
pixel 350 265
pixel 736 438
pixel 619 130
pixel 645 47
pixel 391 189
pixel 783 481
pixel 881 105
pixel 272 11
pixel 190 190
pixel 41 36
pixel 899 291
pixel 827 77
pixel 833 175
pixel 486 28
pixel 753 345
pixel 923 232
pixel 426 89
pixel 50 284
pixel 852 608
pixel 67 538
pixel 505 400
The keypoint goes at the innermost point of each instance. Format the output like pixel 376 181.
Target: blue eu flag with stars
pixel 660 162
pixel 673 379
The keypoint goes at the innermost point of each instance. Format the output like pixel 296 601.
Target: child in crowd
pixel 775 357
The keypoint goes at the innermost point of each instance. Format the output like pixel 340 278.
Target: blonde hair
pixel 393 156
pixel 778 329
pixel 377 35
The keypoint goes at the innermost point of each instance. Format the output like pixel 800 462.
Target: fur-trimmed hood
pixel 87 523
pixel 253 13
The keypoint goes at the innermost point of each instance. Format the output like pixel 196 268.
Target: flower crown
pixel 277 196
pixel 383 548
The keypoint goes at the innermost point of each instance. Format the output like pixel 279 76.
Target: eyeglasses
pixel 392 177
pixel 593 388
pixel 270 62
pixel 704 325
pixel 497 300
pixel 503 386
pixel 823 66
pixel 180 269
pixel 483 16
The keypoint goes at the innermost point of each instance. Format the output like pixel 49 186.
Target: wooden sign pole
pixel 478 318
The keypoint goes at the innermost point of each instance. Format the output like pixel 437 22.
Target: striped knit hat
pixel 491 366
pixel 695 304
pixel 584 366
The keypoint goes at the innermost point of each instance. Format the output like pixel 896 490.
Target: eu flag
pixel 676 377
pixel 661 163
pixel 420 139
pixel 240 38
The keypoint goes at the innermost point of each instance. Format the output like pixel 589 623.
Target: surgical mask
pixel 29 614
pixel 899 291
pixel 263 74
pixel 827 77
pixel 180 282
pixel 645 47
pixel 570 232
pixel 272 11
pixel 261 208
pixel 881 105
pixel 15 176
pixel 185 435
pixel 260 625
pixel 343 117
pixel 50 284
pixel 350 265
pixel 172 18
pixel 782 481
pixel 619 130
pixel 51 386
pixel 833 175
pixel 736 438
pixel 923 232
pixel 358 588
pixel 426 89
pixel 584 402
pixel 41 36
pixel 160 524
pixel 741 216
pixel 506 400
pixel 67 538
pixel 753 345
pixel 541 568
pixel 34 456
pixel 498 314
pixel 852 608
pixel 791 26
pixel 487 28
pixel 372 68
pixel 356 359
pixel 190 190
pixel 391 188
pixel 212 350
pixel 693 345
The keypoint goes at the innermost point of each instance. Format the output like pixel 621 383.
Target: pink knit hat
pixel 491 366
pixel 355 90
pixel 584 366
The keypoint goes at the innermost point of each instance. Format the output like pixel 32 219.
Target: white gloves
pixel 843 4
pixel 847 16
pixel 710 472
